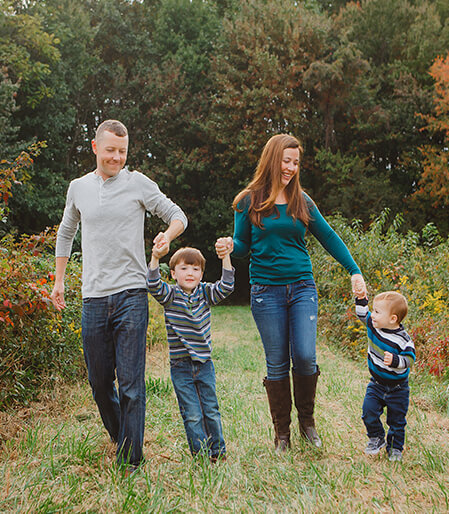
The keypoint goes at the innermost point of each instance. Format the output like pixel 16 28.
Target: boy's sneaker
pixel 375 444
pixel 221 457
pixel 395 455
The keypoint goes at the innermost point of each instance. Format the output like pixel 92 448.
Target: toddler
pixel 391 354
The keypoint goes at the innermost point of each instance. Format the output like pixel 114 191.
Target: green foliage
pixel 202 85
pixel 414 264
pixel 13 173
pixel 39 344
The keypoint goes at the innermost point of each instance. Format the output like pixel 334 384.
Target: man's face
pixel 111 152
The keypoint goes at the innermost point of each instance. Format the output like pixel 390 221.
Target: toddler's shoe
pixel 394 455
pixel 375 444
pixel 221 457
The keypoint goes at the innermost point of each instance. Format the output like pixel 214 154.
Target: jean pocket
pixel 403 386
pixel 258 288
pixel 177 363
pixel 309 284
pixel 86 300
pixel 135 292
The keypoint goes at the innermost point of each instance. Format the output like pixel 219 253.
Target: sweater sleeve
pixel 406 357
pixel 218 291
pixel 361 309
pixel 68 227
pixel 330 240
pixel 157 202
pixel 242 231
pixel 159 289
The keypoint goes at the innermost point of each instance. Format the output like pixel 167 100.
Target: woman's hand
pixel 224 246
pixel 358 286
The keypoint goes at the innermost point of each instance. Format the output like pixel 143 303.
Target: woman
pixel 272 215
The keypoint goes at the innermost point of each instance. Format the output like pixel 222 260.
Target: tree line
pixel 201 86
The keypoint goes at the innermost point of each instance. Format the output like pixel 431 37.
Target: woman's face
pixel 289 165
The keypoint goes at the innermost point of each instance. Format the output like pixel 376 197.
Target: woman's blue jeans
pixel 114 341
pixel 286 317
pixel 194 384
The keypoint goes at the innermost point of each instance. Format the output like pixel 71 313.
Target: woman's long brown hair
pixel 266 184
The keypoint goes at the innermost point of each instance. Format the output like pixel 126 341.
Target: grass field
pixel 55 456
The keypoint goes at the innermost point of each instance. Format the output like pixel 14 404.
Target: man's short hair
pixel 397 303
pixel 187 255
pixel 114 126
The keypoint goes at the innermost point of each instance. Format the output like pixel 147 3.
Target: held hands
pixel 224 246
pixel 388 358
pixel 358 286
pixel 161 245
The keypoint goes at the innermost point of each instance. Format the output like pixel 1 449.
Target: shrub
pixel 39 344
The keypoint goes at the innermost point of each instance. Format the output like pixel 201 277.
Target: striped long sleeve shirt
pixel 187 316
pixel 395 341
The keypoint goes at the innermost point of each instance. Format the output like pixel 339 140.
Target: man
pixel 111 203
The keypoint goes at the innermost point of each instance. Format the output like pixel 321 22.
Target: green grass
pixel 56 456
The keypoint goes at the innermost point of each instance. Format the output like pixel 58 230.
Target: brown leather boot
pixel 304 387
pixel 280 400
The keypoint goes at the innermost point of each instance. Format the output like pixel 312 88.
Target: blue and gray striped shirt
pixel 187 316
pixel 396 341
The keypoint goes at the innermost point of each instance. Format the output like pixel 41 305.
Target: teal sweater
pixel 278 252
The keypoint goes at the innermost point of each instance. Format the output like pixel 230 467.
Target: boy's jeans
pixel 114 341
pixel 286 317
pixel 396 399
pixel 194 384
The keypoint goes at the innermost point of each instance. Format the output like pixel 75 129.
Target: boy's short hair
pixel 398 303
pixel 114 126
pixel 187 255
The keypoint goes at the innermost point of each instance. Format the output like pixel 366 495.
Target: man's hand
pixel 57 296
pixel 358 286
pixel 224 246
pixel 388 358
pixel 161 245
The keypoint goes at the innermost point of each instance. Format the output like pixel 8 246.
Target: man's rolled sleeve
pixel 157 203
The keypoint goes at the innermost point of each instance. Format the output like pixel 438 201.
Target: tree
pixel 434 181
pixel 398 38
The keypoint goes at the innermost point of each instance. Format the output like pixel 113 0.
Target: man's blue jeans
pixel 194 384
pixel 396 399
pixel 114 342
pixel 286 317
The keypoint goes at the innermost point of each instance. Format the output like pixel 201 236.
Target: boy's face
pixel 187 276
pixel 382 316
pixel 111 152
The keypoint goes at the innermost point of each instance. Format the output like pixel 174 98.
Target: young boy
pixel 391 354
pixel 187 319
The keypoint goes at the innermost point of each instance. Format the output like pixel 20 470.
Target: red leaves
pixel 23 289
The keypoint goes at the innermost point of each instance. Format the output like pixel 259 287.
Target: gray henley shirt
pixel 112 216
